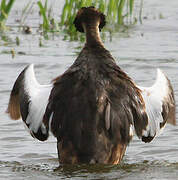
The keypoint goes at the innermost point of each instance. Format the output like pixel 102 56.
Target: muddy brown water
pixel 139 51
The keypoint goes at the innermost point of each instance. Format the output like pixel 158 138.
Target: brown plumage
pixel 93 106
pixel 94 101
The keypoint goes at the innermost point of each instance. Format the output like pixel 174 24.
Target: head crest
pixel 89 15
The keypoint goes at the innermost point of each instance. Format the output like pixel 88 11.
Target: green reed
pixel 116 11
pixel 49 23
pixel 5 8
pixel 26 11
pixel 43 12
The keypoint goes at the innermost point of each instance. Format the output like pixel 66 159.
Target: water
pixel 139 51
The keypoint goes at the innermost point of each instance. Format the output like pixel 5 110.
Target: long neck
pixel 92 35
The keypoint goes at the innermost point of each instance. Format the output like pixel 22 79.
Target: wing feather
pixel 159 106
pixel 29 99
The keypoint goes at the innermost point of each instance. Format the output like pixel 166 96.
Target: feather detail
pixel 159 106
pixel 29 100
pixel 107 116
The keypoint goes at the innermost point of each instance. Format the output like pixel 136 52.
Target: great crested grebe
pixel 94 107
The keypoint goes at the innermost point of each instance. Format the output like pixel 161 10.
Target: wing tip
pixel 161 76
pixel 30 68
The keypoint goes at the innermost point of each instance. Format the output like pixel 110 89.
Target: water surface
pixel 139 51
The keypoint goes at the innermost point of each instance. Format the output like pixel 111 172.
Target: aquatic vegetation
pixel 17 40
pixel 43 12
pixel 25 12
pixel 140 13
pixel 49 24
pixel 4 11
pixel 118 12
pixel 115 10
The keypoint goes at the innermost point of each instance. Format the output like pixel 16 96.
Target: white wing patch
pixel 38 100
pixel 155 97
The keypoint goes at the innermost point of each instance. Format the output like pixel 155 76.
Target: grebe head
pixel 89 16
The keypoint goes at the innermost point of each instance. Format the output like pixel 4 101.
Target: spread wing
pixel 28 100
pixel 159 106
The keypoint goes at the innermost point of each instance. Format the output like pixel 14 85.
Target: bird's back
pixel 88 103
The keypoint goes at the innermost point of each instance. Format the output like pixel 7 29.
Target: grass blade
pixel 131 5
pixel 43 13
pixel 5 10
pixel 120 11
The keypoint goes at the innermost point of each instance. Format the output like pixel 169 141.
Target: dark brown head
pixel 89 16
